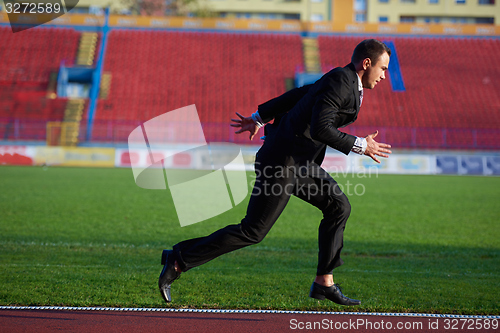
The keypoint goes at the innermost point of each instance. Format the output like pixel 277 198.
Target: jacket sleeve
pixel 282 104
pixel 334 94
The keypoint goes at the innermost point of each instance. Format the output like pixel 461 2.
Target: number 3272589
pixel 471 324
pixel 32 8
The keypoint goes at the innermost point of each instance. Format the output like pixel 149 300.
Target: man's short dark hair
pixel 369 48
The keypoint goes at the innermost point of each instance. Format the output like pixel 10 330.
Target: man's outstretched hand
pixel 375 148
pixel 245 124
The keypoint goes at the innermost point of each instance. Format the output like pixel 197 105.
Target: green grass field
pixel 91 237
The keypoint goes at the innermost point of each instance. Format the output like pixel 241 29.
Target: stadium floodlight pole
pixel 96 76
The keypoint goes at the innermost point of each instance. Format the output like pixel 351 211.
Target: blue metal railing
pixel 96 77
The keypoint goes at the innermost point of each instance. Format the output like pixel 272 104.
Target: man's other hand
pixel 245 124
pixel 374 148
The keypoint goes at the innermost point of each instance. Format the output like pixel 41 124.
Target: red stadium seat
pixel 446 88
pixel 222 73
pixel 28 59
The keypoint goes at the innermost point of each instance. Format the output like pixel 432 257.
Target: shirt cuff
pixel 257 119
pixel 359 146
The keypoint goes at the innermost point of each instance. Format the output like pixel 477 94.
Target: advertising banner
pixel 181 157
pixel 395 164
pixel 493 165
pixel 259 25
pixel 16 155
pixel 63 156
pixel 447 164
pixel 66 19
pixel 74 156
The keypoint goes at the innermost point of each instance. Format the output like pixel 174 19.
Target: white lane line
pixel 75 308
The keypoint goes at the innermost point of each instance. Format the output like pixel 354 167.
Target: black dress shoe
pixel 333 293
pixel 167 275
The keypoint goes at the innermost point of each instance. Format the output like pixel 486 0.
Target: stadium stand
pixel 28 59
pixel 155 71
pixel 451 98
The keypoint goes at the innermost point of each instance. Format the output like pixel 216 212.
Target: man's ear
pixel 366 63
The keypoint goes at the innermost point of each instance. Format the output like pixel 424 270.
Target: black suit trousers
pixel 273 187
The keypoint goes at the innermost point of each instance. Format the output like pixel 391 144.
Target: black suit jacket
pixel 307 119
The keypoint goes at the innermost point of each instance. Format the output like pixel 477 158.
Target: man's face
pixel 374 73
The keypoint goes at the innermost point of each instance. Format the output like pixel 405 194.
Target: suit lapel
pixel 354 86
pixel 356 97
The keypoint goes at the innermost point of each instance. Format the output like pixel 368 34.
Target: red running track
pixel 41 321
